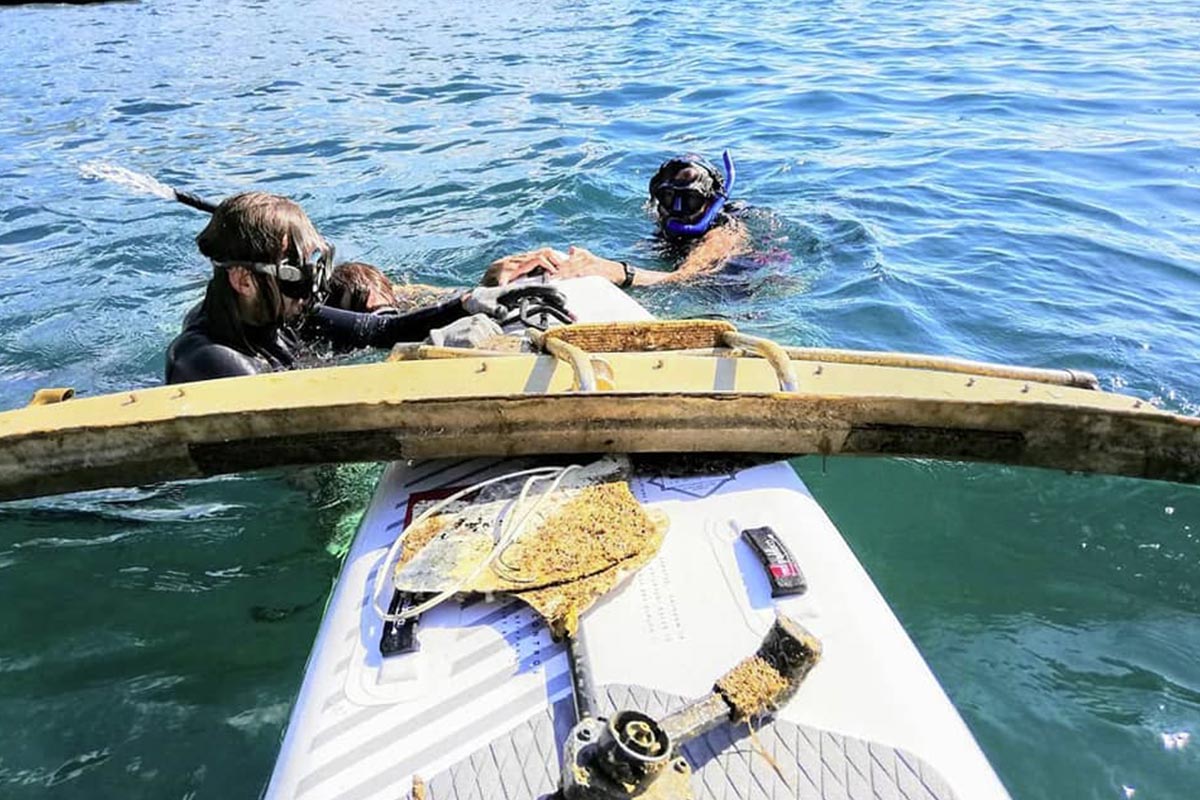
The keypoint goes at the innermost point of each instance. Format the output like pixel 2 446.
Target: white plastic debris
pixel 1177 740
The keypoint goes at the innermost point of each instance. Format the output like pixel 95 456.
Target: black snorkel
pixel 195 201
pixel 678 228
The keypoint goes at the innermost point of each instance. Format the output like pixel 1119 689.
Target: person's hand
pixel 581 263
pixel 505 270
pixel 500 301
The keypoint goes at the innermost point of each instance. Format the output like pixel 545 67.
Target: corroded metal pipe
pixel 1058 377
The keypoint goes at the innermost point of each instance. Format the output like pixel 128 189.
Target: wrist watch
pixel 629 273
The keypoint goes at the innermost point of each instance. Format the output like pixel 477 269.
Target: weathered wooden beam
pixel 525 405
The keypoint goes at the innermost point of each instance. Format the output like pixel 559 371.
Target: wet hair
pixel 689 167
pixel 351 285
pixel 256 226
pixel 252 227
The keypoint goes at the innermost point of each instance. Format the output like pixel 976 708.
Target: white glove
pixel 469 331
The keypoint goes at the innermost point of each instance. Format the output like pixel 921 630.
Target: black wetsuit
pixel 195 355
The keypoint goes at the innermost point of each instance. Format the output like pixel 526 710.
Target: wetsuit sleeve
pixel 347 330
pixel 207 362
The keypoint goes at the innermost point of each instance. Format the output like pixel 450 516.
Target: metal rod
pixel 1064 376
pixel 696 718
pixel 581 679
pixel 1058 377
pixel 415 351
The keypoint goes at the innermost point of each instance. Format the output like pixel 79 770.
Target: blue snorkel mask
pixel 681 201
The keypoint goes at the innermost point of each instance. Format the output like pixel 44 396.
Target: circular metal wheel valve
pixel 640 744
pixel 639 736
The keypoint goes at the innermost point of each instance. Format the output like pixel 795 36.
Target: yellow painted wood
pixel 522 404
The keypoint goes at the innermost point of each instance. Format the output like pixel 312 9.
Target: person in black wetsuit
pixel 264 300
pixel 695 228
pixel 358 286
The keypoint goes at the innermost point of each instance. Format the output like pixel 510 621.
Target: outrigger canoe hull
pixel 528 404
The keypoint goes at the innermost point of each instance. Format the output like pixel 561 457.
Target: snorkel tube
pixel 195 201
pixel 700 226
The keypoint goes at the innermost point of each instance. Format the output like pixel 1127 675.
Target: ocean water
pixel 1001 181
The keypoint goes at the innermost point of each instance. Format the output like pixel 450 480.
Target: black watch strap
pixel 629 274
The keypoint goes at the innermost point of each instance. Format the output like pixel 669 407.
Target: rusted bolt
pixel 680 766
pixel 482 367
pixel 970 381
pixel 584 735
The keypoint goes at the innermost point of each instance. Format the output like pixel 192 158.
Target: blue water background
pixel 1012 182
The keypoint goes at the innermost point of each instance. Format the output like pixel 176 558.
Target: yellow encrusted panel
pixel 682 334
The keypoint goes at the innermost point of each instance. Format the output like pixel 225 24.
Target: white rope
pixel 510 528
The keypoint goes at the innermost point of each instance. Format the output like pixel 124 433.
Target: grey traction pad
pixel 815 764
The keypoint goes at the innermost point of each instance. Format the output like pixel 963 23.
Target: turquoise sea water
pixel 1013 182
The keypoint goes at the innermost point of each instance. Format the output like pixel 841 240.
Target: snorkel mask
pixel 679 202
pixel 307 281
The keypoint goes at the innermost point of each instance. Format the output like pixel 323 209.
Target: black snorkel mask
pixel 679 202
pixel 307 281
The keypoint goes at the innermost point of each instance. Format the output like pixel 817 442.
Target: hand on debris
pixel 505 270
pixel 581 263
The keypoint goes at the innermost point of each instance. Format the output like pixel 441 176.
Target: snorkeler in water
pixel 358 286
pixel 696 225
pixel 266 299
pixel 362 287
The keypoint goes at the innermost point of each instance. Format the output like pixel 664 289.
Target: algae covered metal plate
pixel 578 538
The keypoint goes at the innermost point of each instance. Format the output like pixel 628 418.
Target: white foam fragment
pixel 1176 741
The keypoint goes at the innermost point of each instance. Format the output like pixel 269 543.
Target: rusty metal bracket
pixel 580 361
pixel 772 352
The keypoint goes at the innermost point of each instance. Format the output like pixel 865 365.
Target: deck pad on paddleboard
pixel 780 761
